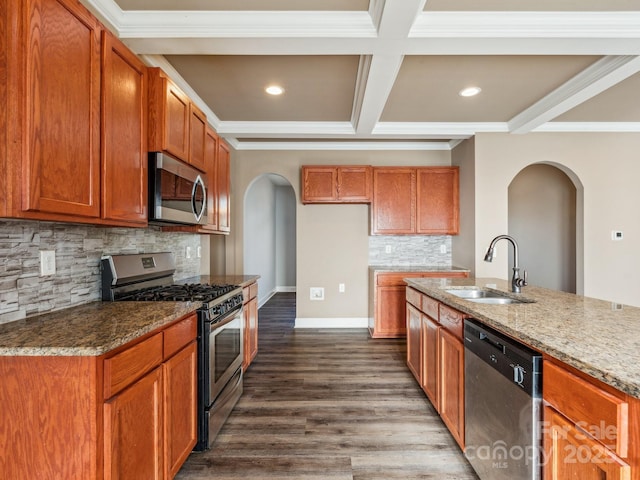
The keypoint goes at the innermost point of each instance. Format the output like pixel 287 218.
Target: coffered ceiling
pixel 385 74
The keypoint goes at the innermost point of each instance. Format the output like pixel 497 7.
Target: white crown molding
pixel 361 145
pixel 286 129
pixel 246 24
pixel 593 80
pixel 434 130
pixel 527 24
pixel 589 127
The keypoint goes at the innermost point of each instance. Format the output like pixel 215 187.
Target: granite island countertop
pixel 91 329
pixel 594 336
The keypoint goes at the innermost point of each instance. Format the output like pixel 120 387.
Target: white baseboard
pixel 348 322
pixel 286 289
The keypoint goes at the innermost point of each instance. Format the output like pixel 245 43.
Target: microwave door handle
pixel 197 182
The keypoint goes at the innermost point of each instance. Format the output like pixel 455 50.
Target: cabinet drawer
pixel 452 320
pixel 179 335
pixel 253 290
pixel 430 307
pixel 396 279
pixel 124 368
pixel 603 415
pixel 414 298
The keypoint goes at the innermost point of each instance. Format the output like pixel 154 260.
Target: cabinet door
pixel 211 161
pixel 176 121
pixel 430 360
pixel 451 385
pixel 223 183
pixel 61 164
pixel 354 184
pixel 133 431
pixel 319 184
pixel 180 403
pixel 124 134
pixel 197 135
pixel 393 209
pixel 390 312
pixel 414 336
pixel 570 453
pixel 437 201
pixel 250 332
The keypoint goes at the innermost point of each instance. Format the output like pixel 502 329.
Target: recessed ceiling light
pixel 469 91
pixel 274 90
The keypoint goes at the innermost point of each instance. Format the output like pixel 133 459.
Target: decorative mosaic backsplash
pixel 408 250
pixel 23 292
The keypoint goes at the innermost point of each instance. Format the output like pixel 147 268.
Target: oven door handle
pixel 233 314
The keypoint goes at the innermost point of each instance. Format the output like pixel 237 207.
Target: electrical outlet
pixel 188 252
pixel 616 235
pixel 443 248
pixel 341 287
pixel 47 262
pixel 316 293
pixel 199 251
pixel 387 249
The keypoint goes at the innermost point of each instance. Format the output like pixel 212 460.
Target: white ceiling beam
pixel 395 22
pixel 592 81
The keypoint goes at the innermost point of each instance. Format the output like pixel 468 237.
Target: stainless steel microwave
pixel 177 192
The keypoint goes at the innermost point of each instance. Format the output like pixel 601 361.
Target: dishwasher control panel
pixel 516 362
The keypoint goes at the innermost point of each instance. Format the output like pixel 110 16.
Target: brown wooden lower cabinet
pixel 130 413
pixel 590 429
pixel 250 340
pixel 387 292
pixel 441 352
pixel 451 384
pixel 133 430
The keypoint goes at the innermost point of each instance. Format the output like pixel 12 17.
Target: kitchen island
pixel 600 338
pixel 590 374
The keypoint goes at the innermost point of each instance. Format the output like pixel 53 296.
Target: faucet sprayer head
pixel 489 255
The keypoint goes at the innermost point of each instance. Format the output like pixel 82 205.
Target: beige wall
pixel 463 245
pixel 605 169
pixel 332 240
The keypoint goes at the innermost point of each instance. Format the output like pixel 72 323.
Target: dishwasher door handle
pixel 485 338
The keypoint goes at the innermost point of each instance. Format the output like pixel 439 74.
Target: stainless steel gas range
pixel 149 277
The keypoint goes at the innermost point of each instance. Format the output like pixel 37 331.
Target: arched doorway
pixel 543 219
pixel 269 244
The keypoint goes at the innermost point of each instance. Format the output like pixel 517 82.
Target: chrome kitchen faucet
pixel 516 281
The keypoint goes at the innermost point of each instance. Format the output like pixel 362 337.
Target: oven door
pixel 225 354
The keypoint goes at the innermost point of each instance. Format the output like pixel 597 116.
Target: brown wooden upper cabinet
pixel 415 201
pixel 64 78
pixel 176 125
pixel 336 184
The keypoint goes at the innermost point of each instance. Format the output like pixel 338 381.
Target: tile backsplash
pixel 409 250
pixel 78 248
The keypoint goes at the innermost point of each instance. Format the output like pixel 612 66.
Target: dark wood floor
pixel 328 405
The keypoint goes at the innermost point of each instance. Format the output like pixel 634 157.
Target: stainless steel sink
pixel 484 295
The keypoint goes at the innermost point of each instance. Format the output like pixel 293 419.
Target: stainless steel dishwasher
pixel 503 401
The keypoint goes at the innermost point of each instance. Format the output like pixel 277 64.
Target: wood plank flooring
pixel 328 405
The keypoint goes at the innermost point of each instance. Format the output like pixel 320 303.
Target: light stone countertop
pixel 88 330
pixel 594 336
